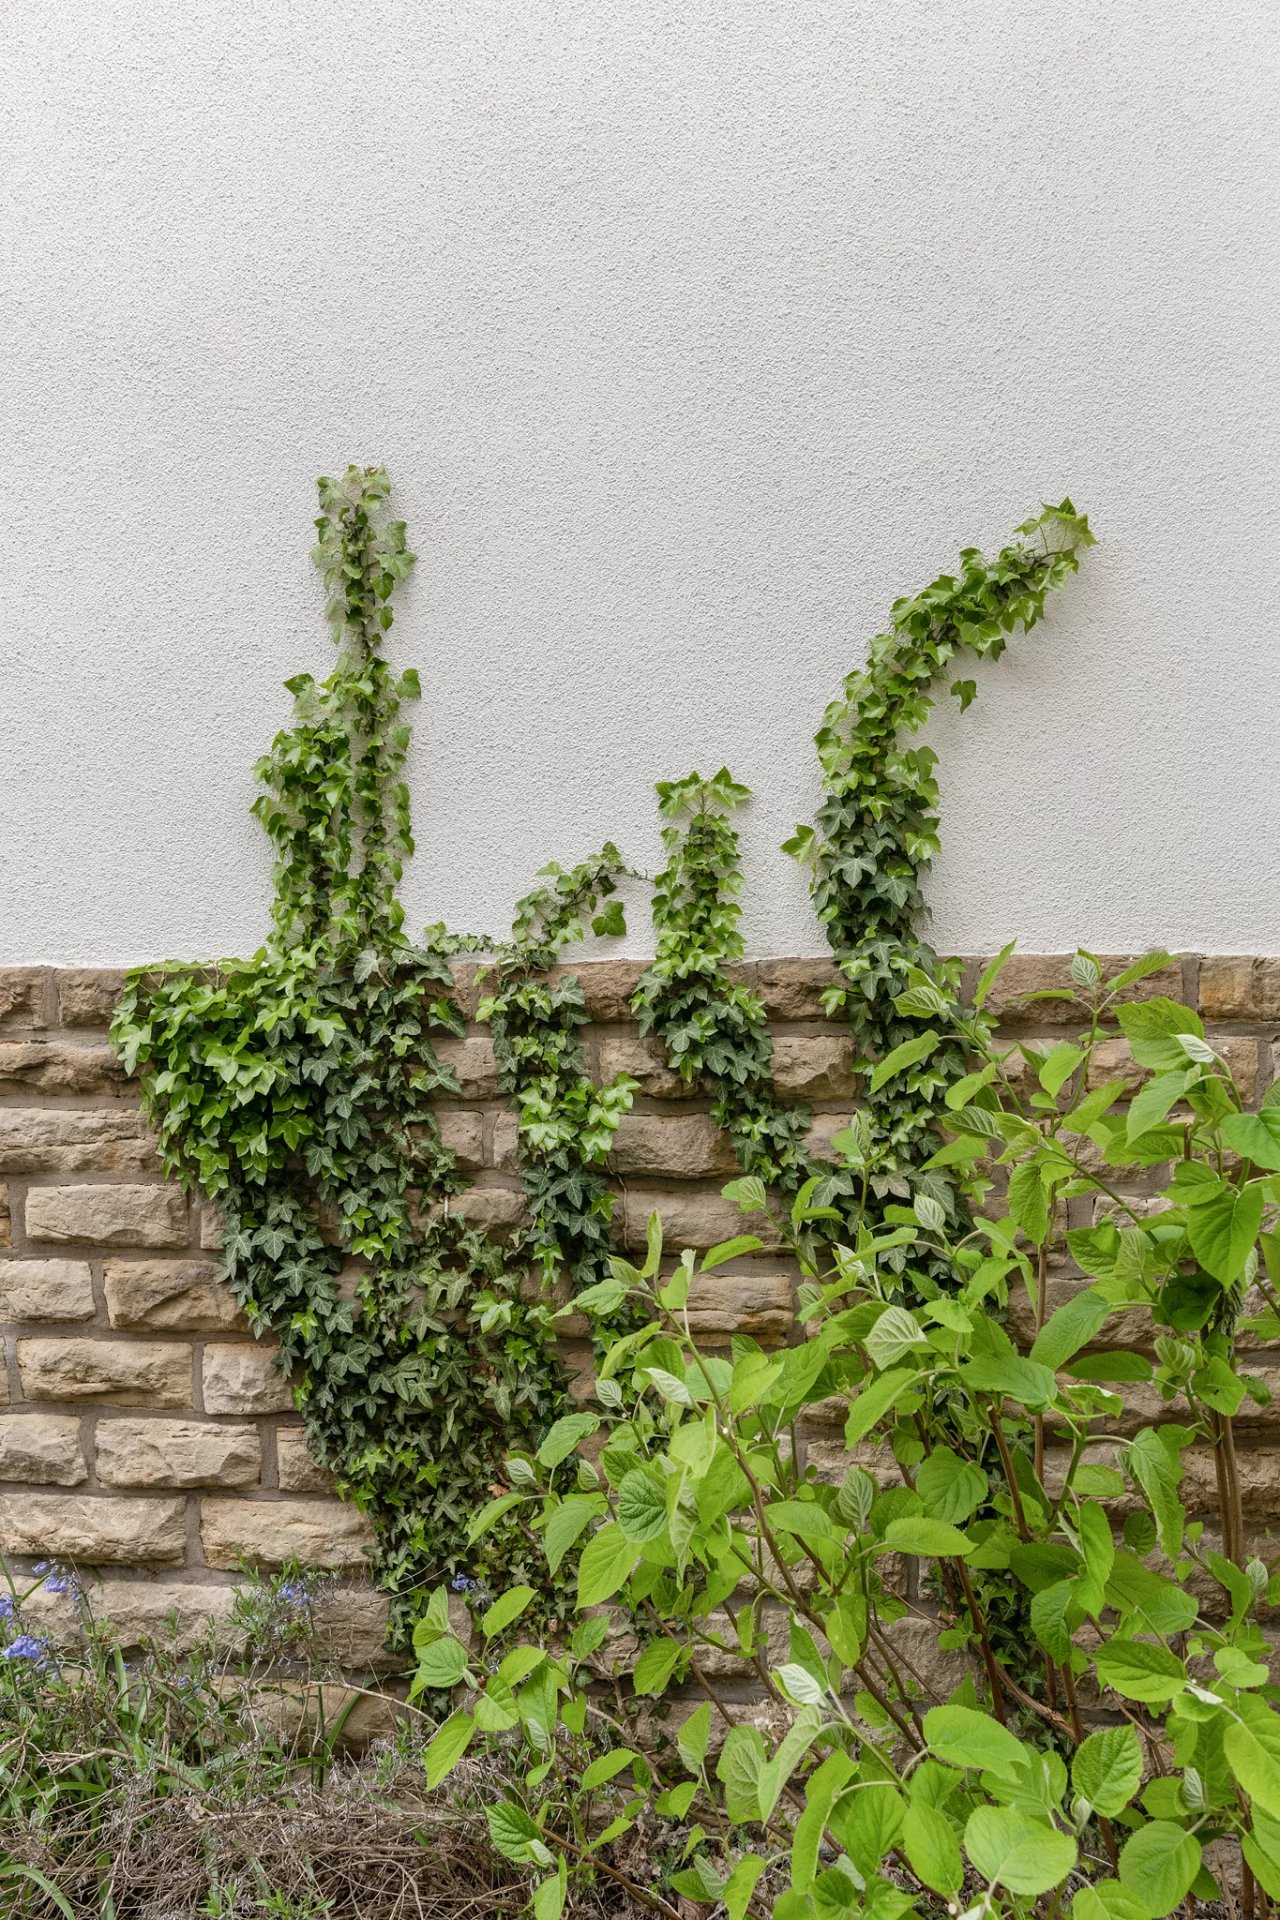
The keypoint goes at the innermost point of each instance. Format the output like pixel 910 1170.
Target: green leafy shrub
pixel 1135 1758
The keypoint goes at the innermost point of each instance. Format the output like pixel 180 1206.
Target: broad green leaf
pixel 909 1054
pixel 822 1789
pixel 442 1664
pixel 1028 1202
pixel 1152 1029
pixel 606 1767
pixel 1255 1136
pixel 1070 1328
pixel 1151 1104
pixel 729 1250
pixel 894 1333
pixel 952 1489
pixel 1155 1469
pixel 564 1436
pixel 991 973
pixel 655 1666
pixel 513 1833
pixel 508 1607
pixel 1140 1671
pixel 968 1738
pixel 741 1884
pixel 1223 1231
pixel 1106 1769
pixel 1107 1900
pixel 874 1401
pixel 495 1709
pixel 694 1736
pixel 565 1524
pixel 1014 1850
pixel 1060 1063
pixel 1158 1864
pixel 742 1760
pixel 932 1849
pixel 548 1897
pixel 930 1539
pixel 607 1559
pixel 1011 1375
pixel 447 1747
pixel 491 1513
pixel 1253 1754
pixel 642 1509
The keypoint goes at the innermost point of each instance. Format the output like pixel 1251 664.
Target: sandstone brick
pixel 465 990
pixel 176 1453
pixel 93 1139
pixel 494 1209
pixel 350 1625
pixel 42 1448
pixel 813 1067
pixel 680 1146
pixel 922 1662
pixel 6 1219
pixel 121 1373
pixel 43 1066
pixel 87 995
pixel 94 1530
pixel 22 997
pixel 170 1296
pixel 820 1136
pixel 1112 1060
pixel 269 1533
pixel 45 1290
pixel 463 1135
pixel 1256 1473
pixel 505 1150
pixel 211 1229
pixel 607 985
pixel 142 1613
pixel 646 1062
pixel 244 1379
pixel 793 989
pixel 691 1219
pixel 313 1713
pixel 473 1063
pixel 297 1471
pixel 1240 987
pixel 108 1216
pixel 1025 973
pixel 752 1302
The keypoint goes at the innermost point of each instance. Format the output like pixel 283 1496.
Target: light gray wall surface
pixel 693 333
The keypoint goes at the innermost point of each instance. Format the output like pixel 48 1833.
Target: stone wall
pixel 143 1431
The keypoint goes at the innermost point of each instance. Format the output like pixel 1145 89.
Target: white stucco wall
pixel 693 332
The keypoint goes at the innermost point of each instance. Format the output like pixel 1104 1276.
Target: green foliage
pixel 701 1518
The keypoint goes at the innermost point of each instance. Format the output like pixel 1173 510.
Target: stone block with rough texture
pixel 170 1296
pixel 677 1146
pixel 463 1135
pixel 107 1216
pixel 244 1379
pixel 1039 973
pixel 112 1139
pixel 793 989
pixel 607 986
pixel 211 1229
pixel 495 1210
pixel 22 996
pixel 176 1453
pixel 87 995
pixel 121 1373
pixel 646 1062
pixel 270 1533
pixel 814 1066
pixel 689 1219
pixel 43 1449
pixel 6 1219
pixel 472 1063
pixel 39 1066
pixel 46 1290
pixel 297 1471
pixel 94 1529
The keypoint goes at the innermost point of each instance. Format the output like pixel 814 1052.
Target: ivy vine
pixel 297 1089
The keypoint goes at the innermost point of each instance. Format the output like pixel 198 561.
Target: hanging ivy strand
pixel 298 1089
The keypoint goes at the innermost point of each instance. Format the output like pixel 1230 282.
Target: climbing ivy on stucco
pixel 298 1089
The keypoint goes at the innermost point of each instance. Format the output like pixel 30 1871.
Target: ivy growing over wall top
pixel 297 1088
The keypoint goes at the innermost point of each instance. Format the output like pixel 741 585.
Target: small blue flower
pixel 294 1593
pixel 43 1566
pixel 59 1583
pixel 8 1607
pixel 463 1584
pixel 25 1647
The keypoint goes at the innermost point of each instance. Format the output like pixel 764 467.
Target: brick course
pixel 143 1430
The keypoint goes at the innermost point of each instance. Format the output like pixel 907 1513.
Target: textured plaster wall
pixel 693 331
